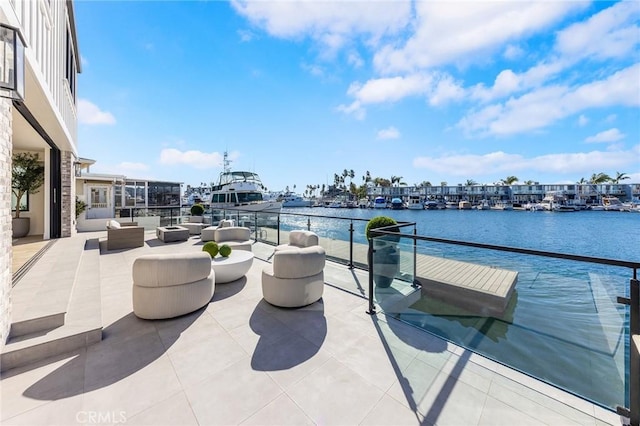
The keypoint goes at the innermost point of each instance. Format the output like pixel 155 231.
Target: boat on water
pixel 238 190
pixel 464 205
pixel 502 205
pixel 433 205
pixel 415 203
pixel 612 204
pixel 363 203
pixel 556 201
pixel 451 205
pixel 293 200
pixel 397 204
pixel 379 203
pixel 483 205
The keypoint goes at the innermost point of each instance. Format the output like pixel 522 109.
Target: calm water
pixel 563 323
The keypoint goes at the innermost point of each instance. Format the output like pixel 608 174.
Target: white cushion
pixel 113 224
pixel 298 263
pixel 303 238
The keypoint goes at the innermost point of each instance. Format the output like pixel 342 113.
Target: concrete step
pixel 82 325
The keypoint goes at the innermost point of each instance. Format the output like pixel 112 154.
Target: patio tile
pixel 377 363
pixel 280 412
pixel 231 395
pixel 135 392
pixel 323 395
pixel 23 389
pixel 389 412
pixel 497 413
pixel 173 411
pixel 60 412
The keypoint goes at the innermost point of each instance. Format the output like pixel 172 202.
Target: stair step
pixel 83 319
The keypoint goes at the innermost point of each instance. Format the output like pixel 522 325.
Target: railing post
pixel 255 225
pixel 171 216
pixel 308 223
pixel 372 308
pixel 350 265
pixel 278 233
pixel 634 359
pixel 415 258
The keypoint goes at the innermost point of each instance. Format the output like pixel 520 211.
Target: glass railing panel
pixel 267 227
pixel 560 322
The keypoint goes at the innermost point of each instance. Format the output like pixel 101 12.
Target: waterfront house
pixel 40 119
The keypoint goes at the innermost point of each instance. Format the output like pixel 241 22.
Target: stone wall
pixel 68 201
pixel 6 253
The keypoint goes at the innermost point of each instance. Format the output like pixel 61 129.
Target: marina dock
pixel 479 289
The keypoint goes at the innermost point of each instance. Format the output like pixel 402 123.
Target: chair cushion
pixel 161 270
pixel 226 223
pixel 113 224
pixel 232 233
pixel 303 238
pixel 299 263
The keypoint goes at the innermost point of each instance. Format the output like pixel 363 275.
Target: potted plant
pixel 197 210
pixel 385 256
pixel 27 176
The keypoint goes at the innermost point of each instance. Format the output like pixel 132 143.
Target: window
pixel 70 68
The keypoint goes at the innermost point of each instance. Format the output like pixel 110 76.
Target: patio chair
pixel 295 278
pixel 300 239
pixel 125 235
pixel 170 285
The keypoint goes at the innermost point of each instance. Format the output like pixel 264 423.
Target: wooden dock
pixel 480 289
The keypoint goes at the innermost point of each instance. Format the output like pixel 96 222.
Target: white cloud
pixel 544 106
pixel 196 159
pixel 354 59
pixel 611 33
pixel 388 133
pixel 513 52
pixel 449 32
pixel 500 163
pixel 246 35
pixel 611 118
pixel 332 24
pixel 582 120
pixel 354 109
pixel 611 135
pixel 89 113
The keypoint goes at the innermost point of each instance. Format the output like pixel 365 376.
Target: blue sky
pixel 299 90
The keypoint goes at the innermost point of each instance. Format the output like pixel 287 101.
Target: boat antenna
pixel 226 162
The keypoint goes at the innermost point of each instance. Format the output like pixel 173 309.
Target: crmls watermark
pixel 101 417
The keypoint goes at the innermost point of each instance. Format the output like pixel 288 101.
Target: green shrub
pixel 225 250
pixel 197 210
pixel 381 222
pixel 211 247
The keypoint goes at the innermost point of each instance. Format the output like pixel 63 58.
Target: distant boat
pixel 363 203
pixel 379 203
pixel 464 205
pixel 415 203
pixel 484 205
pixel 451 205
pixel 556 201
pixel 397 204
pixel 612 204
pixel 502 205
pixel 240 191
pixel 292 200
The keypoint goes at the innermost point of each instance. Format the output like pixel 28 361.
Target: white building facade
pixel 44 123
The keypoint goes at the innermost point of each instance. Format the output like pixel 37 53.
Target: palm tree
pixel 509 180
pixel 470 182
pixel 599 178
pixel 582 181
pixel 619 177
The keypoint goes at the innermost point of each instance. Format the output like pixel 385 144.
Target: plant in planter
pixel 197 210
pixel 81 206
pixel 27 176
pixel 385 256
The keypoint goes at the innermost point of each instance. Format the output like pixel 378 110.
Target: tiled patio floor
pixel 243 361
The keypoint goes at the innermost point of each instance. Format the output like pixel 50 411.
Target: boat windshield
pixel 249 197
pixel 229 177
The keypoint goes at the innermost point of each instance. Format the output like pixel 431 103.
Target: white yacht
pixel 292 200
pixel 612 204
pixel 556 201
pixel 502 205
pixel 240 191
pixel 379 203
pixel 415 203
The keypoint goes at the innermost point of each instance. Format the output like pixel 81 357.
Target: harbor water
pixel 563 324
